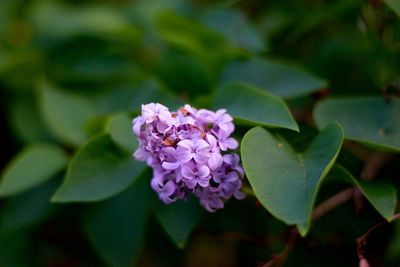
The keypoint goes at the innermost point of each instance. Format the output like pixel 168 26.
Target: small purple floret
pixel 188 151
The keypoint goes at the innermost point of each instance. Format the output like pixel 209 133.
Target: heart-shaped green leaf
pixel 373 120
pixel 277 78
pixel 381 195
pixel 33 166
pixel 116 227
pixel 251 105
pixel 101 166
pixel 179 219
pixel 287 182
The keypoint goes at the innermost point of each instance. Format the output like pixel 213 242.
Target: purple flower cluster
pixel 188 151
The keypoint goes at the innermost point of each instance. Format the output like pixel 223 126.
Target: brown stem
pixel 362 240
pixel 320 210
pixel 333 202
pixel 374 163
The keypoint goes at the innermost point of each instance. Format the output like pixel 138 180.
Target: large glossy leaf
pixel 274 77
pixel 381 195
pixel 179 219
pixel 65 113
pixel 116 227
pixel 370 120
pixel 394 5
pixel 31 167
pixel 99 170
pixel 251 105
pixel 287 182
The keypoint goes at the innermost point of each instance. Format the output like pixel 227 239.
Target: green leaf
pixel 274 77
pixel 100 169
pixel 119 126
pixel 116 227
pixel 27 210
pixel 381 195
pixel 56 20
pixel 187 34
pixel 251 105
pixel 14 249
pixel 27 123
pixel 32 167
pixel 65 113
pixel 394 5
pixel 287 182
pixel 233 25
pixel 370 120
pixel 393 248
pixel 179 219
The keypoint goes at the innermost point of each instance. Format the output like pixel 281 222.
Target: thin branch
pixel 374 163
pixel 362 240
pixel 333 202
pixel 323 208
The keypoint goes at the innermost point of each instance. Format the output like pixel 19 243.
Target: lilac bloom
pixel 205 116
pixel 186 149
pixel 209 200
pixel 170 158
pixel 224 121
pixel 165 189
pixel 197 150
pixel 153 110
pixel 193 175
pixel 225 142
pixel 233 161
pixel 179 119
pixel 137 124
pixel 215 159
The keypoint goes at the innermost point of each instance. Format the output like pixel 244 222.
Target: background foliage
pixel 319 80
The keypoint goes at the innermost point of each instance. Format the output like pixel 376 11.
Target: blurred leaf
pixel 367 119
pixel 393 250
pixel 101 166
pixel 56 20
pixel 10 60
pixel 28 209
pixel 179 219
pixel 188 34
pixel 34 165
pixel 284 181
pixel 274 77
pixel 7 12
pixel 381 195
pixel 65 113
pixel 234 26
pixel 152 91
pixel 119 127
pixel 116 227
pixel 86 62
pixel 14 250
pixel 184 73
pixel 394 5
pixel 253 106
pixel 27 123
